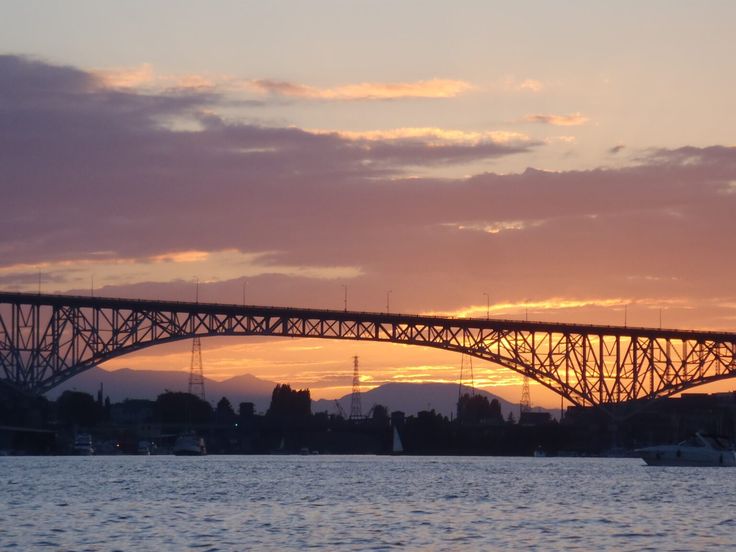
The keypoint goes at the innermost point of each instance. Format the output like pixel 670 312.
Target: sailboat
pixel 397 447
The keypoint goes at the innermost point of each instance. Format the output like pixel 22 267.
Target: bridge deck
pixel 82 301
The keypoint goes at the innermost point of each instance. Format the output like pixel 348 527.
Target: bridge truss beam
pixel 46 339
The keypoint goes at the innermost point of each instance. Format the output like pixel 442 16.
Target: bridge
pixel 47 339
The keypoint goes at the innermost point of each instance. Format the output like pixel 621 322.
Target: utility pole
pixel 356 408
pixel 562 407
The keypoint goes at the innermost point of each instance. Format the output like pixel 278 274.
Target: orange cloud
pixel 496 227
pixel 553 303
pixel 432 135
pixel 573 119
pixel 212 266
pixel 145 77
pixel 514 84
pixel 182 257
pixel 434 88
pixel 127 77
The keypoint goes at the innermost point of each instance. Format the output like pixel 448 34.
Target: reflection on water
pixel 361 503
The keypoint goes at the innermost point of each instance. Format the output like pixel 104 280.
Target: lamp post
pixel 488 306
pixel 388 294
pixel 345 300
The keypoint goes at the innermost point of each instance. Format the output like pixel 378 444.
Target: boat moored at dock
pixel 83 444
pixel 698 450
pixel 189 444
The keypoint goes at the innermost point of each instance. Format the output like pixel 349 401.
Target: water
pixel 361 503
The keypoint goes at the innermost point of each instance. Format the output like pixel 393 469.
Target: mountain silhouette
pixel 409 398
pixel 148 384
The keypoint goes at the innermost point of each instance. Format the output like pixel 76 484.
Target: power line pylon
pixel 462 386
pixel 356 408
pixel 525 405
pixel 196 374
pixel 463 374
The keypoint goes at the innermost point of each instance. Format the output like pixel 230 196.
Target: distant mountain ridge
pixel 148 384
pixel 409 398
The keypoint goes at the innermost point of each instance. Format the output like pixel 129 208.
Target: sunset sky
pixel 571 160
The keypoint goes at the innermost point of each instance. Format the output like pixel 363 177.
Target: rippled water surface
pixel 361 503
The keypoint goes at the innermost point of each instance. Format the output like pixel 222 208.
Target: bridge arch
pixel 518 367
pixel 46 339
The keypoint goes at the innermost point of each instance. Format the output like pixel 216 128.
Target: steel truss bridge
pixel 47 339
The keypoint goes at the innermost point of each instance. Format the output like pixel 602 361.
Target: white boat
pixel 189 444
pixel 397 447
pixel 539 452
pixel 698 450
pixel 83 444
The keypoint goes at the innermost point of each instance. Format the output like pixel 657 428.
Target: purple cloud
pixel 84 168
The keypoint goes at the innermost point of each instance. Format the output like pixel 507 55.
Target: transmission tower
pixel 462 381
pixel 472 377
pixel 339 409
pixel 460 385
pixel 356 409
pixel 196 375
pixel 525 405
pixel 462 377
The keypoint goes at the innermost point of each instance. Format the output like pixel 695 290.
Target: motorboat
pixel 83 444
pixel 698 450
pixel 188 444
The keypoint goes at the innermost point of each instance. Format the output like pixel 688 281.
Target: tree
pixel 75 407
pixel 224 412
pixel 380 414
pixel 288 404
pixel 246 410
pixel 477 409
pixel 176 407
